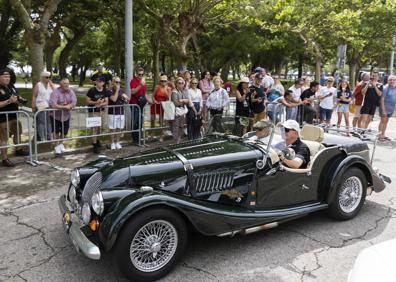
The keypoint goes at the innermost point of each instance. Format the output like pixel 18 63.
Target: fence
pixel 15 123
pixel 84 123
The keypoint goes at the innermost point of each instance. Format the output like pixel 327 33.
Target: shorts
pixel 368 109
pixel 389 113
pixel 60 126
pixel 343 108
pixel 116 121
pixel 357 111
pixel 12 129
pixel 325 114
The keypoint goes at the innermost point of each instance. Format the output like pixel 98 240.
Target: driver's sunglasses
pixel 288 129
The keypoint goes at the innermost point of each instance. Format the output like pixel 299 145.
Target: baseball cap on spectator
pixel 244 79
pixel 45 74
pixel 4 71
pixel 258 69
pixel 100 78
pixel 290 124
pixel 258 76
pixel 261 124
pixel 163 78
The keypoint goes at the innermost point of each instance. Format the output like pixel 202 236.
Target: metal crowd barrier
pixel 82 121
pixel 17 140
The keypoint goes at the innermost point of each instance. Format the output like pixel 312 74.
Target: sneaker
pixel 113 146
pixel 58 150
pixel 62 147
pixel 118 146
pixel 95 148
pixel 8 163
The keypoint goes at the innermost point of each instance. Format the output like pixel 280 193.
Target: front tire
pixel 151 244
pixel 349 196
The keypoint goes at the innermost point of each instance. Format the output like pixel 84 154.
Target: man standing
pixel 372 92
pixel 97 98
pixel 9 123
pixel 309 112
pixel 357 100
pixel 387 106
pixel 63 98
pixel 101 72
pixel 327 96
pixel 291 113
pixel 138 98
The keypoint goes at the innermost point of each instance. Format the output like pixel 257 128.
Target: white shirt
pixel 267 81
pixel 279 87
pixel 217 99
pixel 43 94
pixel 195 96
pixel 296 93
pixel 328 102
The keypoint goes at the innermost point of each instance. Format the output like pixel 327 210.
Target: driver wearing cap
pixel 262 128
pixel 292 138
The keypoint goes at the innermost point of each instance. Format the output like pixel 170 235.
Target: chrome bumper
pixel 80 241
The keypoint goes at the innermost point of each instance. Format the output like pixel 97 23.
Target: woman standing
pixel 194 119
pixel 206 85
pixel 161 94
pixel 216 102
pixel 243 103
pixel 344 96
pixel 116 118
pixel 180 99
pixel 40 101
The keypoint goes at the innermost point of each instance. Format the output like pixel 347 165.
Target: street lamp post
pixel 128 44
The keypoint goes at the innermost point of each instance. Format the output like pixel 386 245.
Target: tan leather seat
pixel 312 133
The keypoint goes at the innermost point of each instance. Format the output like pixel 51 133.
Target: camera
pixel 21 100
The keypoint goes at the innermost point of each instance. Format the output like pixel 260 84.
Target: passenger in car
pixel 292 139
pixel 262 128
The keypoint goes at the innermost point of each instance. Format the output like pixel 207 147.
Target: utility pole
pixel 392 57
pixel 128 44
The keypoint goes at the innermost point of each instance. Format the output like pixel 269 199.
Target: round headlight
pixel 86 213
pixel 97 203
pixel 75 177
pixel 72 196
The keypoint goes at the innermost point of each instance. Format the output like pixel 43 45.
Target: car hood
pixel 164 166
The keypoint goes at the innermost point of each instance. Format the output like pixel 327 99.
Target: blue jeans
pixel 137 122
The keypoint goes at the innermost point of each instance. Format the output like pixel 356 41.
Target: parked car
pixel 142 206
pixel 375 263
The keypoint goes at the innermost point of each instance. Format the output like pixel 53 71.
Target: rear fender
pixel 344 165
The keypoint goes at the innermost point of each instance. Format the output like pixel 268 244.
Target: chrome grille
pixel 92 186
pixel 210 182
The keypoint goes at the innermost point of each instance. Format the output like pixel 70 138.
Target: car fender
pixel 353 161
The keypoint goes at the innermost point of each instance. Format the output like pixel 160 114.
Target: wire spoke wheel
pixel 350 194
pixel 153 245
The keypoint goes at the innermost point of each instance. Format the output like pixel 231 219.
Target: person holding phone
pixel 372 92
pixel 327 96
pixel 257 98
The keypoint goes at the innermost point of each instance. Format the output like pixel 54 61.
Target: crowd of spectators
pixel 259 96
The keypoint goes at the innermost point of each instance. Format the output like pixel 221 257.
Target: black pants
pixel 217 120
pixel 193 131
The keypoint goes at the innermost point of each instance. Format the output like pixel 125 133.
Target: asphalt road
pixel 34 247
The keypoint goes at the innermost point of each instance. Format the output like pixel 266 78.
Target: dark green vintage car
pixel 142 206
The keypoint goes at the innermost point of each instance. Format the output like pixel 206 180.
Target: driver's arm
pixel 294 163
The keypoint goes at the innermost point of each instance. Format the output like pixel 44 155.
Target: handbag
pixel 169 109
pixel 141 101
pixel 181 111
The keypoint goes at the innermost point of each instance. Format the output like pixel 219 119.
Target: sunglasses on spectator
pixel 163 81
pixel 180 82
pixel 288 129
pixel 194 83
pixel 118 82
pixel 47 77
pixel 140 74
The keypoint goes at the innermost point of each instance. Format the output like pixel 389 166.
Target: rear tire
pixel 350 195
pixel 151 244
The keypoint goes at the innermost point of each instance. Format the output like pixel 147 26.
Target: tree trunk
pixel 225 70
pixel 65 53
pixel 83 72
pixel 163 65
pixel 156 60
pixel 318 67
pixel 278 68
pixel 36 57
pixel 286 71
pixel 352 74
pixel 300 66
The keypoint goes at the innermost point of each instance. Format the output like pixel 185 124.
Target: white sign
pixel 93 122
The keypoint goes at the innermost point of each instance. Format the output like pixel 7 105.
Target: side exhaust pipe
pixel 250 230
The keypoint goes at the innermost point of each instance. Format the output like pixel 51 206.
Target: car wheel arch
pixel 343 166
pixel 124 222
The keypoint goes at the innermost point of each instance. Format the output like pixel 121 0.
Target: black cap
pixel 4 71
pixel 100 78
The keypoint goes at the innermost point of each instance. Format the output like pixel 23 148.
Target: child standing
pixel 344 98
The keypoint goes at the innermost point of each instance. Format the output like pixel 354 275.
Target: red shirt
pixel 135 82
pixel 358 94
pixel 228 87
